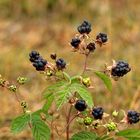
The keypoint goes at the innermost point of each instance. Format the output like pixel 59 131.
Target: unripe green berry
pixel 86 81
pixel 21 80
pixel 88 121
pixel 12 88
pixel 111 126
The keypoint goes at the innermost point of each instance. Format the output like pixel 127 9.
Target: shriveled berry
pixel 60 64
pixel 85 27
pixel 75 42
pixel 98 112
pixel 91 47
pixel 133 116
pixel 120 69
pixel 80 105
pixel 102 37
pixel 53 56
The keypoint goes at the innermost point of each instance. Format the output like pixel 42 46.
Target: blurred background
pixel 48 27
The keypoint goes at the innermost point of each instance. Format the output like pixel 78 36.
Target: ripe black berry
pixel 102 37
pixel 120 69
pixel 34 55
pixel 80 105
pixel 133 117
pixel 75 42
pixel 91 47
pixel 37 61
pixel 60 64
pixel 98 112
pixel 40 64
pixel 85 27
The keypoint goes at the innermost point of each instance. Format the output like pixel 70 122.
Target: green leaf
pixel 48 103
pixel 105 79
pixel 75 79
pixel 62 98
pixel 83 92
pixel 130 134
pixel 84 136
pixel 39 129
pixel 53 88
pixel 19 123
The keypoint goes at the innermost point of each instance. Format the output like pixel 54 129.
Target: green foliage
pixel 105 79
pixel 48 103
pixel 83 92
pixel 39 129
pixel 19 123
pixel 84 135
pixel 63 90
pixel 130 134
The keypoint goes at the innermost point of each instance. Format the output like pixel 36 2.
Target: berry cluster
pixel 85 27
pixel 38 62
pixel 80 105
pixel 101 38
pixel 60 64
pixel 75 42
pixel 133 117
pixel 98 113
pixel 120 69
pixel 82 42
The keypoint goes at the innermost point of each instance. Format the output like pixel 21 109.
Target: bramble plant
pixel 70 93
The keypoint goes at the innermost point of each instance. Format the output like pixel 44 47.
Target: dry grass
pixel 18 36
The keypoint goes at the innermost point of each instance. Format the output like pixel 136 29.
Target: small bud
pixel 88 121
pixel 53 56
pixel 2 82
pixel 72 100
pixel 111 126
pixel 12 88
pixel 86 81
pixel 24 104
pixel 115 113
pixel 49 73
pixel 21 80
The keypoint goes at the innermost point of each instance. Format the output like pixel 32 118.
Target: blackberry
pixel 91 47
pixel 75 42
pixel 40 64
pixel 34 55
pixel 60 64
pixel 98 112
pixel 85 27
pixel 133 117
pixel 102 37
pixel 120 69
pixel 80 105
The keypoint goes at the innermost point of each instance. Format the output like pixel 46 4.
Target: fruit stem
pixel 68 123
pixel 85 63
